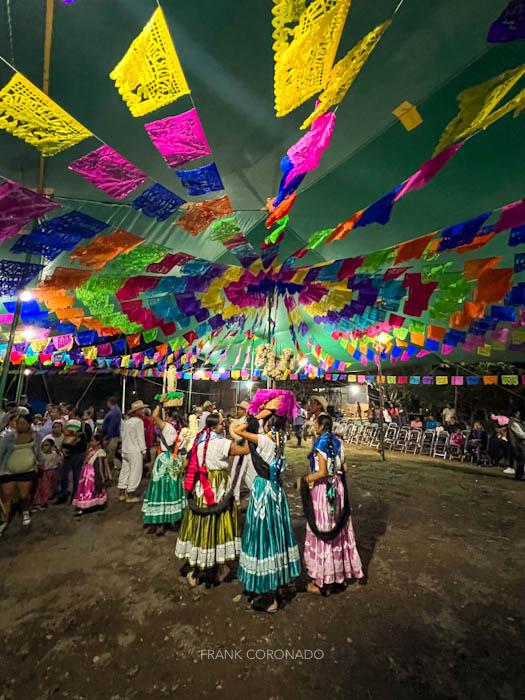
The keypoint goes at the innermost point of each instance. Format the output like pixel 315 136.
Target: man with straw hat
pixel 133 452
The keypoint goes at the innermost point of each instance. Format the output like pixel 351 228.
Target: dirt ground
pixel 96 609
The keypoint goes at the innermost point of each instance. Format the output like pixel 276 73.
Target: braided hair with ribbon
pixel 198 471
pixel 330 445
pixel 276 426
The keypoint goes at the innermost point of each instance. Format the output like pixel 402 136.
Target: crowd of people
pixel 497 442
pixel 68 456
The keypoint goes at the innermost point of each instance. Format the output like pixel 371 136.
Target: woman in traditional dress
pixel 330 552
pixel 91 494
pixel 165 501
pixel 269 555
pixel 209 532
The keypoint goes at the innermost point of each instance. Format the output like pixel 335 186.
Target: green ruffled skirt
pixel 165 500
pixel 206 540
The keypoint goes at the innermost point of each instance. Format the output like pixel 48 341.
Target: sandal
pixel 271 609
pixel 190 578
pixel 222 575
pixel 313 588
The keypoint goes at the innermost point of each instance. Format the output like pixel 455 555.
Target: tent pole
pixel 44 380
pixel 456 394
pixel 50 7
pixel 77 404
pixel 7 358
pixel 20 382
pixel 189 394
pixel 381 407
pixel 124 378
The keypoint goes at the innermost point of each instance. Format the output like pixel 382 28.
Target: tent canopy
pixel 431 52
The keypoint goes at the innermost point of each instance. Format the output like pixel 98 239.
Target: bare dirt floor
pixel 96 608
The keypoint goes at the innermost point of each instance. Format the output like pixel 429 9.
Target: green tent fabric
pixel 431 52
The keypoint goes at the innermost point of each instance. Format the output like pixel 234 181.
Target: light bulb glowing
pixel 354 389
pixel 28 333
pixel 383 337
pixel 26 295
pixel 303 361
pixel 27 372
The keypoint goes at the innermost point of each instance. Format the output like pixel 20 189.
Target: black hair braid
pixel 205 450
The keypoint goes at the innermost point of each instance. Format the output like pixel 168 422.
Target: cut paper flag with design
pixel 408 115
pixel 29 114
pixel 52 237
pixel 510 25
pixel 428 170
pixel 109 171
pixel 149 75
pixel 305 155
pixel 303 65
pixel 203 214
pixel 461 234
pixel 18 206
pixel 345 72
pixel 378 212
pixel 135 259
pixel 158 202
pixel 179 139
pixel 477 106
pixel 512 215
pixel 14 276
pixel 201 180
pixel 102 249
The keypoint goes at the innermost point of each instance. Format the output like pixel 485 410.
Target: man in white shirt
pixel 449 412
pixel 207 408
pixel 516 433
pixel 247 470
pixel 133 452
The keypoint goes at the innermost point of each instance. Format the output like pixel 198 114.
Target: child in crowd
pixel 49 459
pixel 90 493
pixel 457 439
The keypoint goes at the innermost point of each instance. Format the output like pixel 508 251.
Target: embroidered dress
pixel 338 559
pixel 90 492
pixel 207 540
pixel 164 501
pixel 270 555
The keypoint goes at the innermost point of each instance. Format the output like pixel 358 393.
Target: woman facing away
pixel 209 531
pixel 330 551
pixel 18 468
pixel 91 494
pixel 165 501
pixel 269 555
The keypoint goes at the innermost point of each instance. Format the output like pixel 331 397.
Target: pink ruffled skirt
pixel 86 496
pixel 337 560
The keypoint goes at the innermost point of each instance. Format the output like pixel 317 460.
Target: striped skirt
pixel 269 556
pixel 206 540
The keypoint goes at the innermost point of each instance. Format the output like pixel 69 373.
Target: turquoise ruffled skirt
pixel 269 555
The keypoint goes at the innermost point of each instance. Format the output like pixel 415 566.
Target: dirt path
pixel 95 609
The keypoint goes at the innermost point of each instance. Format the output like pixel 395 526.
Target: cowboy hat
pixel 320 400
pixel 137 406
pixel 234 424
pixel 243 404
pixel 207 404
